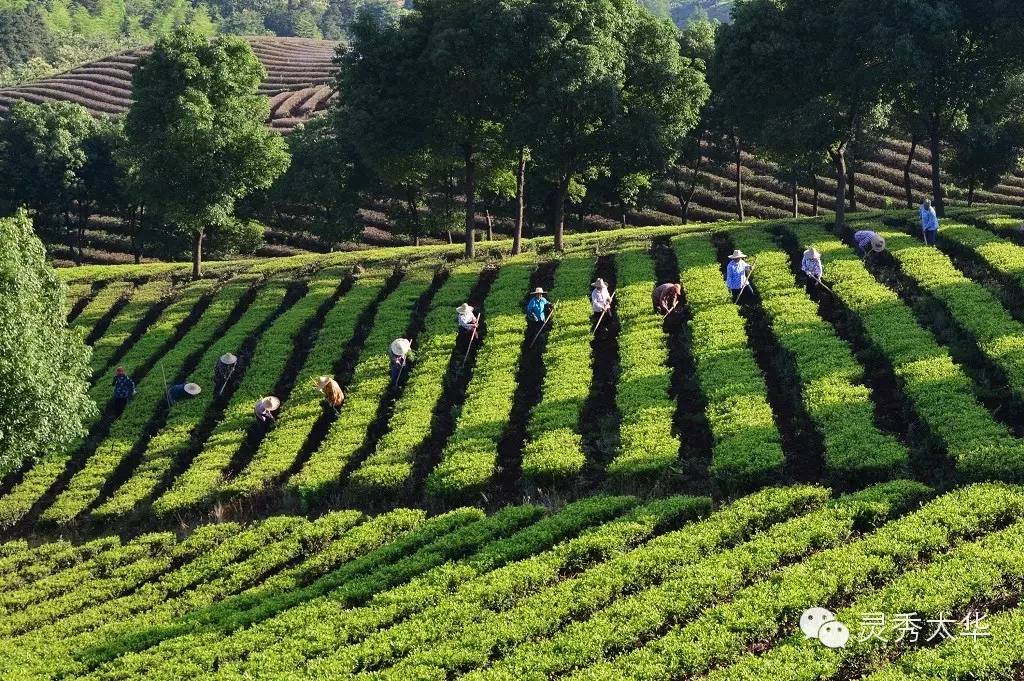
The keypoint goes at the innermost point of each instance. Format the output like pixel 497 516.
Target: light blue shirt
pixel 811 266
pixel 863 238
pixel 535 308
pixel 734 274
pixel 929 220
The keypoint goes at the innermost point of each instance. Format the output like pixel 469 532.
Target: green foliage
pixel 280 448
pixel 469 460
pixel 554 454
pixel 387 472
pixel 206 472
pixel 831 379
pixel 196 134
pixel 940 391
pixel 44 365
pixel 369 384
pixel 649 449
pixel 721 635
pixel 747 450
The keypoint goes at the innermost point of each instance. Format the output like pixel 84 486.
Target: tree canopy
pixel 196 133
pixel 44 365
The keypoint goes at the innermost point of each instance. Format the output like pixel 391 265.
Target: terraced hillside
pixel 298 73
pixel 656 500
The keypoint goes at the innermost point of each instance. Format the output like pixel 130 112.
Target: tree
pixel 42 156
pixel 946 58
pixel 196 133
pixel 609 71
pixel 325 176
pixel 44 365
pixel 832 98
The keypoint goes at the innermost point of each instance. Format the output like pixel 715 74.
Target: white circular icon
pixel 812 619
pixel 834 634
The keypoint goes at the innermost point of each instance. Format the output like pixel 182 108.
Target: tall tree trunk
pixel 970 194
pixel 470 189
pixel 851 172
pixel 197 255
pixel 839 161
pixel 739 177
pixel 490 225
pixel 937 199
pixel 816 203
pixel 83 222
pixel 908 188
pixel 517 235
pixel 414 214
pixel 795 195
pixel 622 214
pixel 559 212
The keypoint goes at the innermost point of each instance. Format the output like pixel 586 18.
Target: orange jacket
pixel 333 394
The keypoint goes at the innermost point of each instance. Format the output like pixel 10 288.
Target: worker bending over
pixel 737 274
pixel 223 371
pixel 398 356
pixel 666 297
pixel 183 391
pixel 867 240
pixel 331 390
pixel 265 408
pixel 466 320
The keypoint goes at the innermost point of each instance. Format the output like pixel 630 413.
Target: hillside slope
pixel 298 75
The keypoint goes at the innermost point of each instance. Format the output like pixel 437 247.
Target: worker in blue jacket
pixel 929 222
pixel 538 308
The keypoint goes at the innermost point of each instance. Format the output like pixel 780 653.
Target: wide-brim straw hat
pixel 877 244
pixel 270 403
pixel 812 252
pixel 464 308
pixel 193 388
pixel 322 381
pixel 400 346
pixel 737 255
pixel 539 291
pixel 228 358
pixel 599 283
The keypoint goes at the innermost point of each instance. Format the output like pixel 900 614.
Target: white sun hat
pixel 400 347
pixel 812 252
pixel 464 308
pixel 322 381
pixel 539 291
pixel 737 255
pixel 877 244
pixel 193 389
pixel 599 283
pixel 228 358
pixel 270 403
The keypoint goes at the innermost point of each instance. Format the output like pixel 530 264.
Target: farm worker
pixel 537 309
pixel 865 238
pixel 331 390
pixel 398 356
pixel 737 273
pixel 465 319
pixel 184 391
pixel 929 222
pixel 222 372
pixel 600 299
pixel 811 264
pixel 265 408
pixel 124 389
pixel 665 297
